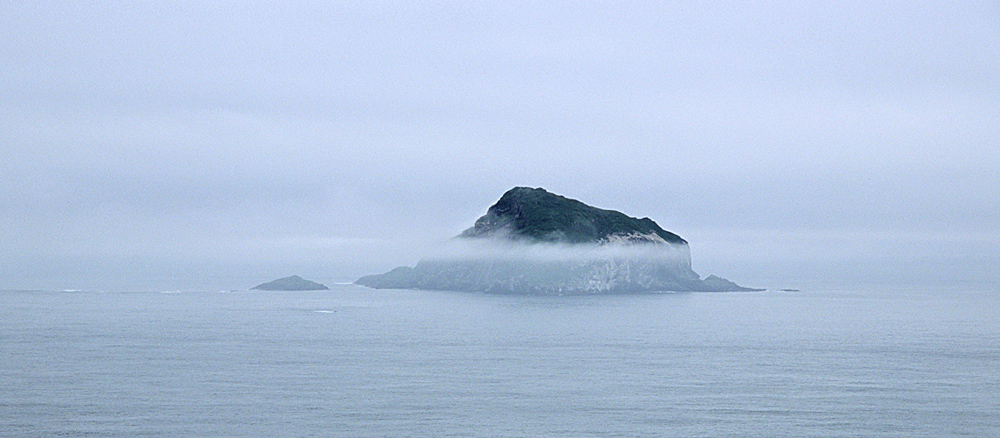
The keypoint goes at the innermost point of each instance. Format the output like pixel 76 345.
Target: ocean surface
pixel 355 362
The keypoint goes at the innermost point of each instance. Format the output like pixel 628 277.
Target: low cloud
pixel 500 249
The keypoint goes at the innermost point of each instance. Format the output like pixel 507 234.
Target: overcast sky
pixel 212 144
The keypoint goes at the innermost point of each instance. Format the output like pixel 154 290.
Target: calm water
pixel 354 362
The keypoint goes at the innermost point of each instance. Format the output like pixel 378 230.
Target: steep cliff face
pixel 535 242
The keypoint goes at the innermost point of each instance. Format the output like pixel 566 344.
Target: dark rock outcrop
pixel 535 242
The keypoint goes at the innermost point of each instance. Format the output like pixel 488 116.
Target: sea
pixel 357 362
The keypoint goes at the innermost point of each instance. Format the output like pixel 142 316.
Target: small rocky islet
pixel 292 283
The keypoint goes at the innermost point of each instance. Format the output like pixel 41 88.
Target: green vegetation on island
pixel 536 214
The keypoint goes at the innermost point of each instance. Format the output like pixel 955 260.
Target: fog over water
pixel 201 146
pixel 502 249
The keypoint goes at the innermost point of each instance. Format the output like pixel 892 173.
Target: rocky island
pixel 535 242
pixel 293 283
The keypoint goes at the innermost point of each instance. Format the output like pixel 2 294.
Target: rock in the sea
pixel 292 283
pixel 535 242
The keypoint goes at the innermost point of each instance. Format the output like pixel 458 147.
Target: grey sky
pixel 789 142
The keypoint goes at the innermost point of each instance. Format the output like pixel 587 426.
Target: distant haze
pixel 207 145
